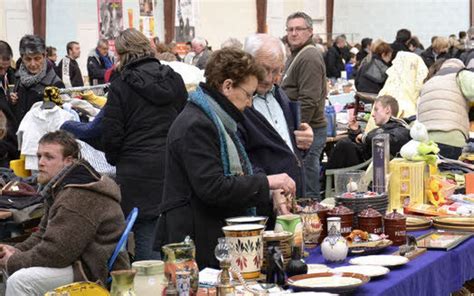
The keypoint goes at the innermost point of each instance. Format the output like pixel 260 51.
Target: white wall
pixel 383 18
pixel 16 20
pixel 279 10
pixel 217 20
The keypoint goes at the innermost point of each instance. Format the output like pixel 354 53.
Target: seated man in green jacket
pixel 79 231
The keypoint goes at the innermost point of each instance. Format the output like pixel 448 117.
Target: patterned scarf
pixel 28 79
pixel 233 155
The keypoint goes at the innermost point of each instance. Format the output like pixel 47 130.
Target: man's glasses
pixel 296 29
pixel 249 95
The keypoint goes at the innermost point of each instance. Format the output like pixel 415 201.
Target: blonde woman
pixel 438 50
pixel 144 99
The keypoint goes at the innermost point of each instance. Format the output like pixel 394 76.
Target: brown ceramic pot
pixel 346 216
pixel 395 227
pixel 370 220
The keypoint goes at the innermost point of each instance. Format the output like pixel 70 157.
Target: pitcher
pixel 291 223
pixel 180 257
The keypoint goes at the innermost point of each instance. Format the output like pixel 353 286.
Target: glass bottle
pixel 334 247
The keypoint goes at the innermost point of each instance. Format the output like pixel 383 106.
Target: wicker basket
pixel 379 203
pixel 284 243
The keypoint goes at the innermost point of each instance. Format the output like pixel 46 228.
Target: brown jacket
pixel 306 82
pixel 82 224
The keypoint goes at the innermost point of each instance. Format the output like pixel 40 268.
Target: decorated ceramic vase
pixel 291 223
pixel 334 246
pixel 246 245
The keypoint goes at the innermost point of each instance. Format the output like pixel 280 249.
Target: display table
pixel 432 273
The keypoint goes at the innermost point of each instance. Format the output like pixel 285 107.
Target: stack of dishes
pixel 283 240
pixel 454 223
pixel 371 271
pixel 340 282
pixel 417 223
pixel 380 260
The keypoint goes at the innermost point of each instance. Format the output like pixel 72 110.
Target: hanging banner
pixel 147 20
pixel 185 21
pixel 110 20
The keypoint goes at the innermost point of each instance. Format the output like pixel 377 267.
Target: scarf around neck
pixel 28 79
pixel 234 158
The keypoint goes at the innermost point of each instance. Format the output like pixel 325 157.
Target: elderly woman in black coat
pixel 208 174
pixel 34 74
pixel 143 100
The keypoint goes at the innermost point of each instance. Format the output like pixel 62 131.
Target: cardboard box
pixel 407 183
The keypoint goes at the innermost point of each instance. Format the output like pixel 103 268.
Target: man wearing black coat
pixel 335 58
pixel 268 131
pixel 98 62
pixel 68 68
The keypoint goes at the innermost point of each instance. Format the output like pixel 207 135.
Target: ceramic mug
pixel 246 245
pixel 293 224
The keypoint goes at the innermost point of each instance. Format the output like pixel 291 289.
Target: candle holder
pixel 222 253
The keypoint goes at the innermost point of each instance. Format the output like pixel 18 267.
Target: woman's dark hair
pixel 50 50
pixel 231 63
pixel 31 44
pixel 5 50
pixel 403 35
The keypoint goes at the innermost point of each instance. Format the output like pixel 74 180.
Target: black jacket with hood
pixel 142 104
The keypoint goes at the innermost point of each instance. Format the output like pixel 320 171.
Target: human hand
pixel 13 98
pixel 282 182
pixel 281 203
pixel 359 139
pixel 6 252
pixel 304 136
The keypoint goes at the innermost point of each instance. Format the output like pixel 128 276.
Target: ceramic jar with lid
pixel 334 247
pixel 370 220
pixel 150 279
pixel 395 227
pixel 346 216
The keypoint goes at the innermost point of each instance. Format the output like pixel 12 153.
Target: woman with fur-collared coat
pixel 444 111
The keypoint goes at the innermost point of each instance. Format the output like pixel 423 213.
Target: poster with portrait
pixel 147 20
pixel 184 21
pixel 110 18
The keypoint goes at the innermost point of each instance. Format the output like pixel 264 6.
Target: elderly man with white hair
pixel 199 46
pixel 272 137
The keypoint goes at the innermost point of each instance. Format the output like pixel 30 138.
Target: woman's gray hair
pixel 265 43
pixel 130 45
pixel 232 42
pixel 31 44
pixel 299 14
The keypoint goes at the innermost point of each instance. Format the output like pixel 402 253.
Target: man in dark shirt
pixel 68 68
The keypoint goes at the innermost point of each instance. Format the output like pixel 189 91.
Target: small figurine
pixel 275 267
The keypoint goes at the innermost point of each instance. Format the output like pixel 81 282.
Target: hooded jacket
pixel 142 103
pixel 82 224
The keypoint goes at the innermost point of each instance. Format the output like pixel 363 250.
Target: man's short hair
pixel 102 42
pixel 199 40
pixel 65 139
pixel 390 101
pixel 70 44
pixel 32 44
pixel 50 50
pixel 299 14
